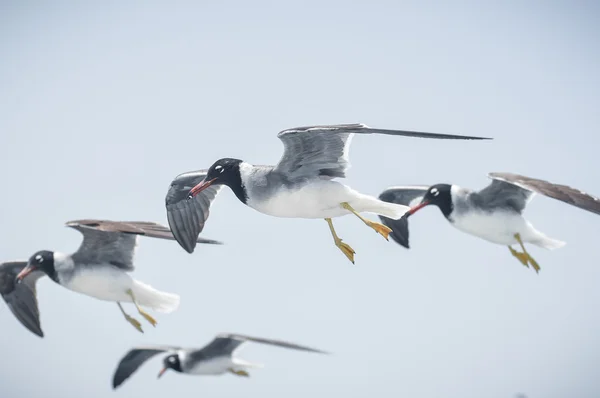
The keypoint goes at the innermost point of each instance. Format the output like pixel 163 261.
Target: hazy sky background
pixel 101 105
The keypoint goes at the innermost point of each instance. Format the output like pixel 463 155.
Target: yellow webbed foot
pixel 241 373
pixel 346 249
pixel 149 318
pixel 533 263
pixel 525 259
pixel 134 322
pixel 522 257
pixel 381 229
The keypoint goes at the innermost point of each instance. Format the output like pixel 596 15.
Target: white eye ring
pixel 218 167
pixel 435 192
pixel 39 258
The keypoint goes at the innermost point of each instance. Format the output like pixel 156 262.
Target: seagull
pixel 216 358
pixel 99 268
pixel 300 186
pixel 21 297
pixel 494 213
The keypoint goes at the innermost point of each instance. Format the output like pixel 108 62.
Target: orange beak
pixel 24 272
pixel 200 187
pixel 416 208
pixel 162 372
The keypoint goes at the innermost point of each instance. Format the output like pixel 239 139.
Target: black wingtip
pixel 209 241
pixel 399 227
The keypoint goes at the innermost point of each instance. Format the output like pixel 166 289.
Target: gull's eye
pixel 39 258
pixel 219 168
pixel 434 192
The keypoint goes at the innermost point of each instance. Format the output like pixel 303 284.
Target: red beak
pixel 24 272
pixel 416 208
pixel 162 372
pixel 200 187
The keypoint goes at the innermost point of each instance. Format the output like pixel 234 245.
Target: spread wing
pixel 134 359
pixel 572 196
pixel 225 344
pixel 323 150
pixel 21 298
pixel 187 217
pixel 114 242
pixel 407 196
pixel 501 194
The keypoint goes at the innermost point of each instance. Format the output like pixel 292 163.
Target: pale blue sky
pixel 102 105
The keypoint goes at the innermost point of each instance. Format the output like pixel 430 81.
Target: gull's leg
pixel 344 247
pixel 379 228
pixel 141 311
pixel 134 322
pixel 530 259
pixel 242 373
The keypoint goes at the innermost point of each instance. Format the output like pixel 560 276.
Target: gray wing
pixel 323 150
pixel 572 196
pixel 407 196
pixel 225 344
pixel 21 298
pixel 187 217
pixel 134 359
pixel 114 242
pixel 501 195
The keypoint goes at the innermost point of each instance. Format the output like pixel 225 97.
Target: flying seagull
pixel 493 213
pixel 21 297
pixel 216 358
pixel 299 186
pixel 99 268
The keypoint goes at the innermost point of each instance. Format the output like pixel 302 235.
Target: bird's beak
pixel 416 208
pixel 162 372
pixel 200 187
pixel 24 272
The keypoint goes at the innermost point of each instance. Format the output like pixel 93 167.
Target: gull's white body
pixel 109 283
pixel 497 226
pixel 319 198
pixel 215 366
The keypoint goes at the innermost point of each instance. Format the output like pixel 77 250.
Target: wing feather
pixel 323 150
pixel 21 298
pixel 564 193
pixel 403 195
pixel 135 358
pixel 240 339
pixel 187 217
pixel 114 242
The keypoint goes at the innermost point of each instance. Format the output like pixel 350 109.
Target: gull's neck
pixel 244 179
pixel 458 200
pixel 63 265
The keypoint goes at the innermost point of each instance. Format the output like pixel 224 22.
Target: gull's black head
pixel 40 261
pixel 171 362
pixel 224 171
pixel 438 195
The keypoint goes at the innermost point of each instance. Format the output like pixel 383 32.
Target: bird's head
pixel 170 362
pixel 439 195
pixel 224 171
pixel 40 261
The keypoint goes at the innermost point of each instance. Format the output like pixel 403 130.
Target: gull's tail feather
pixel 147 296
pixel 386 209
pixel 548 243
pixel 243 364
